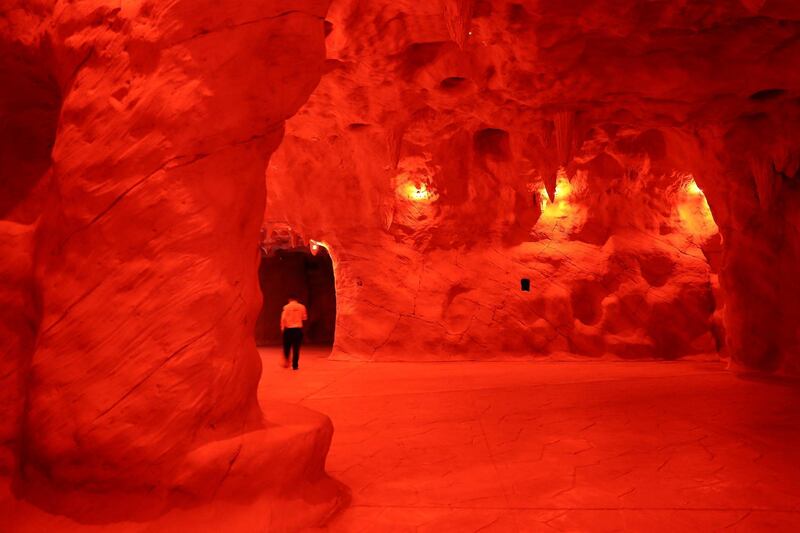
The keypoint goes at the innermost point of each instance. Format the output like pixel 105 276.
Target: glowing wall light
pixel 559 207
pixel 315 246
pixel 692 188
pixel 694 211
pixel 417 192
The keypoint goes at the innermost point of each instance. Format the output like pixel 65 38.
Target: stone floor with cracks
pixel 552 446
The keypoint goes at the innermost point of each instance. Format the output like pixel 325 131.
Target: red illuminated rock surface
pixel 443 152
pixel 140 393
pixel 17 333
pixel 482 102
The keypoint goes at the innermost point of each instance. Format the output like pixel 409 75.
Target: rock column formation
pixel 756 189
pixel 141 387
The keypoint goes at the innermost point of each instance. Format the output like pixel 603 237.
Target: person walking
pixel 292 317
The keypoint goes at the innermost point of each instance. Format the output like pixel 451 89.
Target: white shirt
pixel 293 315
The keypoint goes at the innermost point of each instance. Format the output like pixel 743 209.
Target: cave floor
pixel 562 446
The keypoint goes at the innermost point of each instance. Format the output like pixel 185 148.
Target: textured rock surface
pixel 451 150
pixel 18 319
pixel 141 389
pixel 481 103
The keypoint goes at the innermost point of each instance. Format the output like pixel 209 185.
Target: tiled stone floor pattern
pixel 553 446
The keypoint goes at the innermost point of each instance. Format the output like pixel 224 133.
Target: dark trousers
pixel 292 339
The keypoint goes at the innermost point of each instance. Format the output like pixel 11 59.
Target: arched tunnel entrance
pixel 297 271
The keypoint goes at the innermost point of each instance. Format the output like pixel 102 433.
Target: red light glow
pixel 694 211
pixel 417 192
pixel 559 207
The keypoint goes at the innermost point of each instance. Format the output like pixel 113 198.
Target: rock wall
pixel 418 157
pixel 29 105
pixel 452 150
pixel 140 391
pixel 757 189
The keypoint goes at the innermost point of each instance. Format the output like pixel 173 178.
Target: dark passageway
pixel 309 277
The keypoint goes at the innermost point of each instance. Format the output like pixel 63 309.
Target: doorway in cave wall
pixel 309 276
